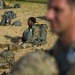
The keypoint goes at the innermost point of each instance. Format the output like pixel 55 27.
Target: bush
pixel 39 1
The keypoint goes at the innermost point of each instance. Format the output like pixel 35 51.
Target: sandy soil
pixel 8 33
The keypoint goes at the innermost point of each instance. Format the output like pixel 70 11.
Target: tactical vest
pixel 36 35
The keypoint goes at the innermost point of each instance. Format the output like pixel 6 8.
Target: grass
pixel 27 10
pixel 36 1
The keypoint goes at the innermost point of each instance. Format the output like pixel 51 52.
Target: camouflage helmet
pixel 35 63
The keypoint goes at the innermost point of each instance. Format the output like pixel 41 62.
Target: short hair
pixel 35 63
pixel 32 19
pixel 71 2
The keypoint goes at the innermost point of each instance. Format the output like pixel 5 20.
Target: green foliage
pixel 37 1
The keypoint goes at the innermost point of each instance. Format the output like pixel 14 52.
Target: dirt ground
pixel 8 33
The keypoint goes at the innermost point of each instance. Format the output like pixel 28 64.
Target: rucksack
pixel 17 6
pixel 7 17
pixel 1 4
pixel 17 23
pixel 10 14
pixel 36 35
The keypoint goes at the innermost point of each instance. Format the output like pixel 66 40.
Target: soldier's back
pixel 35 63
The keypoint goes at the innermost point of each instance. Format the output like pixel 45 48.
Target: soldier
pixel 34 35
pixel 27 34
pixel 61 15
pixel 35 63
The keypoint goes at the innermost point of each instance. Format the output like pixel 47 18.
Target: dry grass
pixel 27 10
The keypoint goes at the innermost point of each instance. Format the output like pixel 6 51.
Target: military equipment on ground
pixel 5 5
pixel 71 71
pixel 37 34
pixel 35 63
pixel 17 6
pixel 43 35
pixel 7 17
pixel 17 23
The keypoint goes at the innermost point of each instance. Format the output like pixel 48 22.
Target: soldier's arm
pixel 23 38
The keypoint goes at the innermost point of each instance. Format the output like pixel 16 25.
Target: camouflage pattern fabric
pixel 6 59
pixel 35 63
pixel 36 31
pixel 65 56
pixel 3 63
pixel 4 73
pixel 39 34
pixel 3 45
pixel 15 47
pixel 36 34
pixel 35 40
pixel 72 70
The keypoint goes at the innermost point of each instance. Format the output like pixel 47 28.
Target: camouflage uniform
pixel 72 70
pixel 65 56
pixel 32 33
pixel 6 59
pixel 37 34
pixel 30 40
pixel 35 63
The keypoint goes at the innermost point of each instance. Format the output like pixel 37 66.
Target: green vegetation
pixel 37 1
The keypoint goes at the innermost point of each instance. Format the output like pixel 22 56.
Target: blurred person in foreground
pixel 61 16
pixel 35 63
pixel 72 70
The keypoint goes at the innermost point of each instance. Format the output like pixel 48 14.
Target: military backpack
pixel 36 35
